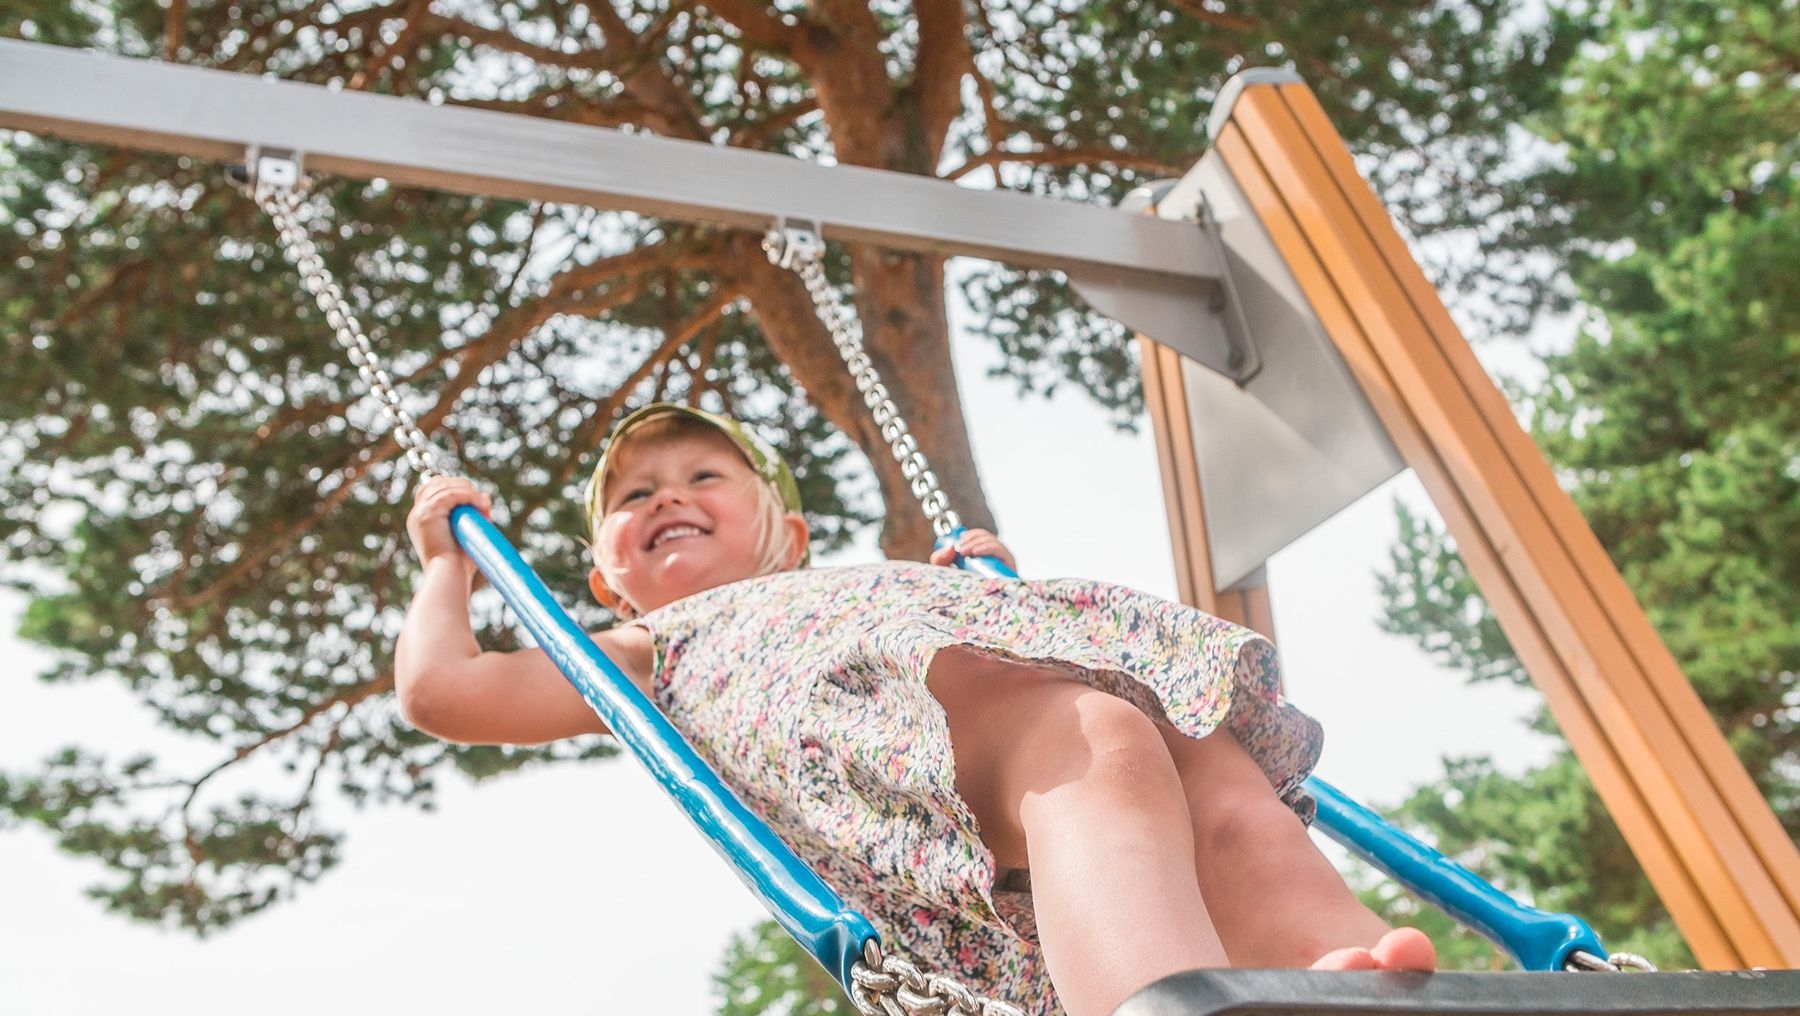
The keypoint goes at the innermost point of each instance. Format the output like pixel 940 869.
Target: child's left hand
pixel 975 543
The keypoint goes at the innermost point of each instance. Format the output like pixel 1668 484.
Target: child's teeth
pixel 670 534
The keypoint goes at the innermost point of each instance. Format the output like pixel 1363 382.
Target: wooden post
pixel 1165 398
pixel 1706 838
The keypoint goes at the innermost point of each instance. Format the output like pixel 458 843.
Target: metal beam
pixel 210 114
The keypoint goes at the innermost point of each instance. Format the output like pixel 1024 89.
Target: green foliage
pixel 1674 423
pixel 1431 595
pixel 1427 94
pixel 766 972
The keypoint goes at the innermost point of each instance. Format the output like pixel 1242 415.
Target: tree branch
pixel 175 30
pixel 1219 19
pixel 412 26
pixel 944 57
pixel 754 23
pixel 647 79
pixel 567 294
pixel 570 108
pixel 756 135
pixel 350 696
pixel 595 61
pixel 1064 157
pixel 595 424
pixel 270 550
pixel 703 358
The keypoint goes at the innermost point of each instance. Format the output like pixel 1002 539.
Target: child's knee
pixel 1095 738
pixel 1242 820
pixel 1233 804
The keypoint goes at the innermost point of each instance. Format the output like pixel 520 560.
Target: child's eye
pixel 707 474
pixel 634 494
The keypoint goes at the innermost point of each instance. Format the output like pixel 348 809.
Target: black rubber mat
pixel 1313 993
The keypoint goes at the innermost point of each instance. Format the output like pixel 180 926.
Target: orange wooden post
pixel 1165 399
pixel 1707 840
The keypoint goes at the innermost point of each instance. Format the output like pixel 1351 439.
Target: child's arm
pixel 447 685
pixel 975 543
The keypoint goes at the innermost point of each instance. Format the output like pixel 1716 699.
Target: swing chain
pixel 798 248
pixel 1616 963
pixel 276 182
pixel 889 985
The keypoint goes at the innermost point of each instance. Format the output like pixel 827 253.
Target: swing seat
pixel 1318 993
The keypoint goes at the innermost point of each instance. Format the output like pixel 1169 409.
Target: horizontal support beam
pixel 210 114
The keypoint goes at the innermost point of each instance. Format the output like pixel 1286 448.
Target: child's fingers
pixel 443 493
pixel 979 544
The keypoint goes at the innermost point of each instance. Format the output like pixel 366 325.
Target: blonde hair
pixel 774 544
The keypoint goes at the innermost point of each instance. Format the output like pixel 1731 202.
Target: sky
pixel 580 887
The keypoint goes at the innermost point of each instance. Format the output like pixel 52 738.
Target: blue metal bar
pixel 1537 939
pixel 800 901
pixel 817 917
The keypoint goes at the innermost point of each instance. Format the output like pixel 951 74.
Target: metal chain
pixel 888 985
pixel 799 249
pixel 282 200
pixel 1616 963
pixel 882 985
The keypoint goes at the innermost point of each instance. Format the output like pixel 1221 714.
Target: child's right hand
pixel 429 521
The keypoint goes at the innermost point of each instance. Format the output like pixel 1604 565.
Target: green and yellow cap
pixel 761 455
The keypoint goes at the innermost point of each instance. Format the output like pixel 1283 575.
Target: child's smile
pixel 674 532
pixel 682 516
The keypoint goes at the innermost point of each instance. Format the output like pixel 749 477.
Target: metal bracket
pixel 279 167
pixel 794 242
pixel 1241 357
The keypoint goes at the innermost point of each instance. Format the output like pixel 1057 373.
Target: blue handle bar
pixel 801 902
pixel 1537 939
pixel 817 917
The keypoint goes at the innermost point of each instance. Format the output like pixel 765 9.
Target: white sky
pixel 579 887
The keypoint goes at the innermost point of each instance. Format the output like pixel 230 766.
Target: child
pixel 923 736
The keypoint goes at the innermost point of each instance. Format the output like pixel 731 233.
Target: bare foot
pixel 1356 958
pixel 1404 949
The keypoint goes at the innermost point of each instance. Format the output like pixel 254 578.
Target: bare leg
pixel 1275 900
pixel 1077 785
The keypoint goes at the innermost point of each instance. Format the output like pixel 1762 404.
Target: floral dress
pixel 806 691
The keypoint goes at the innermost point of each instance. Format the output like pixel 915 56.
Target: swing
pixel 213 114
pixel 842 940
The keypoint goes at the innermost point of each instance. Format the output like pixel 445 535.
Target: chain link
pixel 282 201
pixel 889 985
pixel 882 985
pixel 1616 963
pixel 800 250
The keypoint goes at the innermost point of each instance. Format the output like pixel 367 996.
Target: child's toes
pixel 1405 949
pixel 1356 958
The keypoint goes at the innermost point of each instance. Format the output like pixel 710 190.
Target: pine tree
pixel 204 507
pixel 765 971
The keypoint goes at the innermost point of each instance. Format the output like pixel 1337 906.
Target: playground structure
pixel 1278 306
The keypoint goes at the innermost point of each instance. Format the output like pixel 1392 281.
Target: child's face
pixel 681 516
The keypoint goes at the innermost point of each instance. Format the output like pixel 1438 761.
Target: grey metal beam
pixel 214 114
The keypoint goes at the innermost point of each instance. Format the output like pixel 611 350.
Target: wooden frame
pixel 1706 838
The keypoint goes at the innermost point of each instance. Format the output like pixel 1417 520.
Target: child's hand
pixel 974 543
pixel 429 521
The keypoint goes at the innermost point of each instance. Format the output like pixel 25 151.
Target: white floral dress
pixel 806 691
